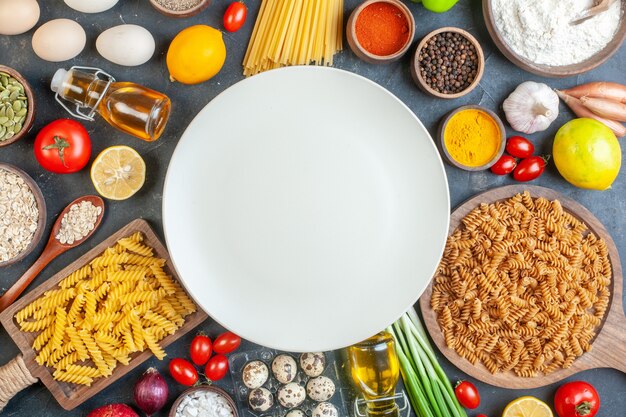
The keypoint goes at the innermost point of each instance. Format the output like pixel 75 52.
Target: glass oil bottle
pixel 375 370
pixel 130 107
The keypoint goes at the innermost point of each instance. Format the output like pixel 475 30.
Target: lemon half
pixel 527 407
pixel 118 172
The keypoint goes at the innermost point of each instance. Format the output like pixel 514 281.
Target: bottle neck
pixel 83 88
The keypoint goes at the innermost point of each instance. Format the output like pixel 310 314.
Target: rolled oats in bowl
pixel 19 215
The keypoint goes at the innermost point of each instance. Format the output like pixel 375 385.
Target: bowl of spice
pixel 448 63
pixel 17 106
pixel 472 138
pixel 204 400
pixel 380 31
pixel 180 8
pixel 23 214
pixel 538 35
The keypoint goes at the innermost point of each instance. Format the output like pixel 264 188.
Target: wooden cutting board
pixel 70 396
pixel 609 345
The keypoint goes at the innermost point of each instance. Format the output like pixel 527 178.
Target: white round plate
pixel 306 208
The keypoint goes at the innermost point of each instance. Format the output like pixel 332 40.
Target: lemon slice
pixel 527 407
pixel 118 172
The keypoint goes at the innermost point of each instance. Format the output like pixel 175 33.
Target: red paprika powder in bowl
pixel 380 31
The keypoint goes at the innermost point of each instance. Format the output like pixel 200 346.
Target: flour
pixel 539 30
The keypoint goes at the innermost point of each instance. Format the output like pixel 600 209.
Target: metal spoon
pixel 53 249
pixel 601 7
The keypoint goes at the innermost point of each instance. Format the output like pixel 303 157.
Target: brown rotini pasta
pixel 521 287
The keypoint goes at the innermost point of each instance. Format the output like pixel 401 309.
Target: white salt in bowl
pixel 548 70
pixel 210 388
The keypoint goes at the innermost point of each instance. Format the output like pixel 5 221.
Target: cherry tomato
pixel 235 16
pixel 505 165
pixel 480 415
pixel 529 169
pixel 467 394
pixel 217 367
pixel 576 399
pixel 226 343
pixel 183 372
pixel 63 146
pixel 519 147
pixel 201 349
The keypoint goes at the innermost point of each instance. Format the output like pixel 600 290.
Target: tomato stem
pixel 583 408
pixel 60 143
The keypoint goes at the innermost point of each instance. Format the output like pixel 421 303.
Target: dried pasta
pixel 121 303
pixel 521 287
pixel 294 32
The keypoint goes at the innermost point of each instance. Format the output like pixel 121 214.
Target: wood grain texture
pixel 609 347
pixel 41 205
pixel 70 396
pixel 547 70
pixel 53 249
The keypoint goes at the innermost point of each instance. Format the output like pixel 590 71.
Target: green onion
pixel 429 389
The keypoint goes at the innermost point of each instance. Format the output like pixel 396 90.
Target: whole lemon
pixel 196 54
pixel 587 154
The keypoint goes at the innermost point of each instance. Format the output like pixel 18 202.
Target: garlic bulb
pixel 532 107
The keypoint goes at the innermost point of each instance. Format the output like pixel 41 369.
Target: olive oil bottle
pixel 375 370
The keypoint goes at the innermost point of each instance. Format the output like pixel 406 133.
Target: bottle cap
pixel 58 79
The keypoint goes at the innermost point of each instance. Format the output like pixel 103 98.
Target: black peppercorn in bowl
pixel 448 63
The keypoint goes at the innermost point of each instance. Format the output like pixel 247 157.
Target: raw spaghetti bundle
pixel 294 32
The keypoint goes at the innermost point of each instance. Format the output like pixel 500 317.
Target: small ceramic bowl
pixel 444 150
pixel 367 56
pixel 210 388
pixel 181 13
pixel 41 219
pixel 417 74
pixel 30 115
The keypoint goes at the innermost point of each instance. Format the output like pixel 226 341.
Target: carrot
pixel 607 90
pixel 581 111
pixel 605 108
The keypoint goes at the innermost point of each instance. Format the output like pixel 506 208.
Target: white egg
pixel 18 16
pixel 59 40
pixel 91 6
pixel 128 45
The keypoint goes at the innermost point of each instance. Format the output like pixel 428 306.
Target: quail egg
pixel 260 399
pixel 313 364
pixel 295 413
pixel 255 374
pixel 291 395
pixel 320 388
pixel 325 410
pixel 284 368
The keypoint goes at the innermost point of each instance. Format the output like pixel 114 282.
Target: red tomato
pixel 217 367
pixel 467 394
pixel 183 372
pixel 226 343
pixel 235 16
pixel 505 165
pixel 63 147
pixel 201 349
pixel 576 399
pixel 480 415
pixel 519 147
pixel 529 169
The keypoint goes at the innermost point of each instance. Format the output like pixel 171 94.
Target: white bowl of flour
pixel 536 34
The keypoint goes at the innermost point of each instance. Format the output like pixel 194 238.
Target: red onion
pixel 150 392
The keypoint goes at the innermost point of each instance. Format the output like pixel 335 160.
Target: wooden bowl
pixel 444 150
pixel 30 115
pixel 367 56
pixel 547 70
pixel 181 13
pixel 417 74
pixel 211 388
pixel 41 219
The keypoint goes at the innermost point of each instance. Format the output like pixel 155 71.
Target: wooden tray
pixel 70 396
pixel 609 345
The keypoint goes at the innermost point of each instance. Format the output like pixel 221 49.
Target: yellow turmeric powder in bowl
pixel 473 137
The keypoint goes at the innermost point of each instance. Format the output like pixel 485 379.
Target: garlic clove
pixel 532 107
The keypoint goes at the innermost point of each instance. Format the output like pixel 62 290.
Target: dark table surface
pixel 500 78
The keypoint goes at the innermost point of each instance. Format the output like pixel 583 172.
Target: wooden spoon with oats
pixel 76 223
